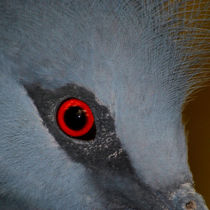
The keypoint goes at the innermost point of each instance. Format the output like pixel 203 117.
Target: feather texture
pixel 140 60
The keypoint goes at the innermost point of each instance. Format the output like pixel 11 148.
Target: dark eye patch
pixel 103 148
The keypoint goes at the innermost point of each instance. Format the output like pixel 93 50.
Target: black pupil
pixel 75 118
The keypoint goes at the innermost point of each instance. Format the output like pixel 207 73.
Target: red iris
pixel 75 117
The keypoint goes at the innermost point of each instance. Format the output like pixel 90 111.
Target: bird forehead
pixel 102 46
pixel 82 42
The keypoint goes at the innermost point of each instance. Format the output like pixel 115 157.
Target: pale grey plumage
pixel 131 55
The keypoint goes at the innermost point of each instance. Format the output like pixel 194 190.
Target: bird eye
pixel 75 118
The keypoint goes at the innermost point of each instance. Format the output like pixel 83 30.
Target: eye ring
pixel 85 117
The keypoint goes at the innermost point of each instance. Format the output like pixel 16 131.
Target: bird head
pixel 122 64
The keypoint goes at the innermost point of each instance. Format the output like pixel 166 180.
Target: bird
pixel 91 96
